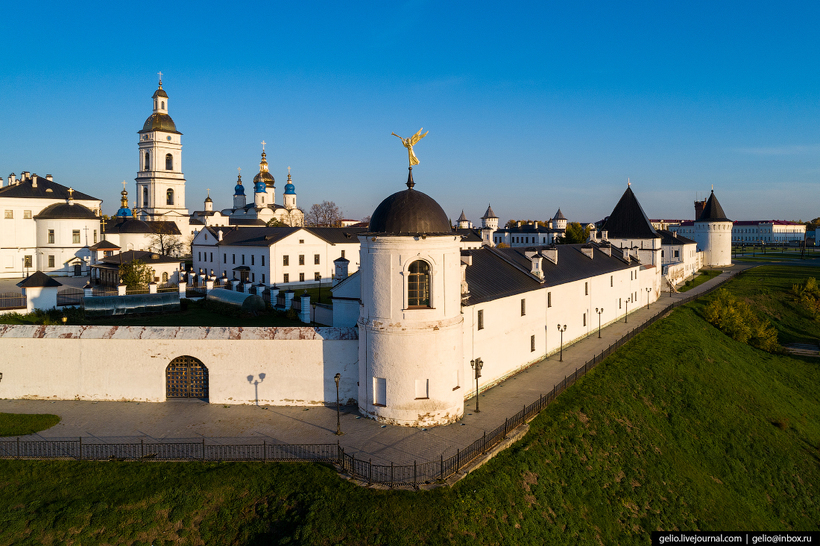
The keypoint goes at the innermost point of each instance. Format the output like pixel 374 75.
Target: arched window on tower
pixel 169 162
pixel 147 162
pixel 144 197
pixel 169 197
pixel 418 285
pixel 163 105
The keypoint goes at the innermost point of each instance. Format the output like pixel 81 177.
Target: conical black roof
pixel 462 218
pixel 712 211
pixel 628 220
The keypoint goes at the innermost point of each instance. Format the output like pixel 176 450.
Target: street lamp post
pixel 626 315
pixel 599 311
pixel 477 364
pixel 648 290
pixel 337 377
pixel 562 329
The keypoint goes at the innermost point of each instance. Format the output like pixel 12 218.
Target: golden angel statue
pixel 409 143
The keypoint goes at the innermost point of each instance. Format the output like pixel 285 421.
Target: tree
pixel 326 214
pixel 575 233
pixel 136 274
pixel 273 222
pixel 165 240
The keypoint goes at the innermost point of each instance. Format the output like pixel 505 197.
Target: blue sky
pixel 530 106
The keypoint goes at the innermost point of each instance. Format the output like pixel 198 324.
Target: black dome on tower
pixel 409 212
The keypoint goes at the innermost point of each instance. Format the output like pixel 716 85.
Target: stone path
pixel 112 422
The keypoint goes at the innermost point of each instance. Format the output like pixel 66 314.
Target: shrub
pixel 739 321
pixel 808 296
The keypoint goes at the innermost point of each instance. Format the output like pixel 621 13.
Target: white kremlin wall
pixel 129 363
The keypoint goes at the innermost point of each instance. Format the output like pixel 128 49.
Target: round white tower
pixel 209 203
pixel 411 327
pixel 463 222
pixel 559 221
pixel 713 233
pixel 489 225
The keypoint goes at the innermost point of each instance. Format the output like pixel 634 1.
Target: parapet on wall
pixel 278 366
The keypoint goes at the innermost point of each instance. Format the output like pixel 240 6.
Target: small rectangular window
pixel 585 320
pixel 253 277
pixel 95 236
pixel 523 307
pixel 252 259
pixel 301 277
pixel 199 256
pixel 9 215
pixel 422 389
pixel 75 236
pixel 549 299
pixel 532 344
pixel 315 259
pixel 51 261
pixel 212 257
pixel 379 391
pixel 619 303
pixel 263 260
pixel 224 258
pixel 51 236
pixel 586 289
pixel 285 260
pixel 301 259
pixel 317 276
pixel 285 278
pixel 481 319
pixel 263 278
pixel 301 241
pixel 611 281
pixel 27 215
pixel 233 259
pixel 243 259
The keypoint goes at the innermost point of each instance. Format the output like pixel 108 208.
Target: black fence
pixel 70 296
pixel 173 450
pixel 12 300
pixel 393 475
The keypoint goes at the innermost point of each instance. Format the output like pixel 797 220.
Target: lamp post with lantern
pixel 477 364
pixel 561 330
pixel 599 311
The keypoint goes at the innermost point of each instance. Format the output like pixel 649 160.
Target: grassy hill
pixel 683 429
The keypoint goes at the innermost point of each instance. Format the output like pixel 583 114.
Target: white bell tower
pixel 160 182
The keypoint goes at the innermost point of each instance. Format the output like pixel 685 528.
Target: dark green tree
pixel 136 274
pixel 575 234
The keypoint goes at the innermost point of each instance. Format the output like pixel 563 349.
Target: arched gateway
pixel 186 377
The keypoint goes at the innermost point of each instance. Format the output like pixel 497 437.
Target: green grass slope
pixel 17 424
pixel 683 429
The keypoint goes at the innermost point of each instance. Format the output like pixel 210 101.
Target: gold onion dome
pixel 264 175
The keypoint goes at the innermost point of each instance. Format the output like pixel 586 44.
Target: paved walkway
pixel 112 422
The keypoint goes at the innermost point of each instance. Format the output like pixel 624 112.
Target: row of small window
pixel 317 276
pixel 677 253
pixel 10 215
pixel 75 236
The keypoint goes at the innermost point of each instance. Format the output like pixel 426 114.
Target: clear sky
pixel 530 106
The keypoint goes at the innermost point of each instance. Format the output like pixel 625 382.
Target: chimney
pixel 604 234
pixel 49 178
pixel 518 223
pixel 341 265
pixel 625 254
pixel 25 175
pixel 34 181
pixel 535 263
pixel 606 248
pixel 466 261
pixel 587 250
pixel 219 235
pixel 551 253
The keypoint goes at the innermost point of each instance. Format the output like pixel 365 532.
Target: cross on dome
pixel 160 78
pixel 263 145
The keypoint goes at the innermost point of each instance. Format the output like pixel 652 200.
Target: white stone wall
pixel 505 341
pixel 88 363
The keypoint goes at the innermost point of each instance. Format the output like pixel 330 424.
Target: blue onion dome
pixel 239 189
pixel 259 187
pixel 290 189
pixel 264 176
